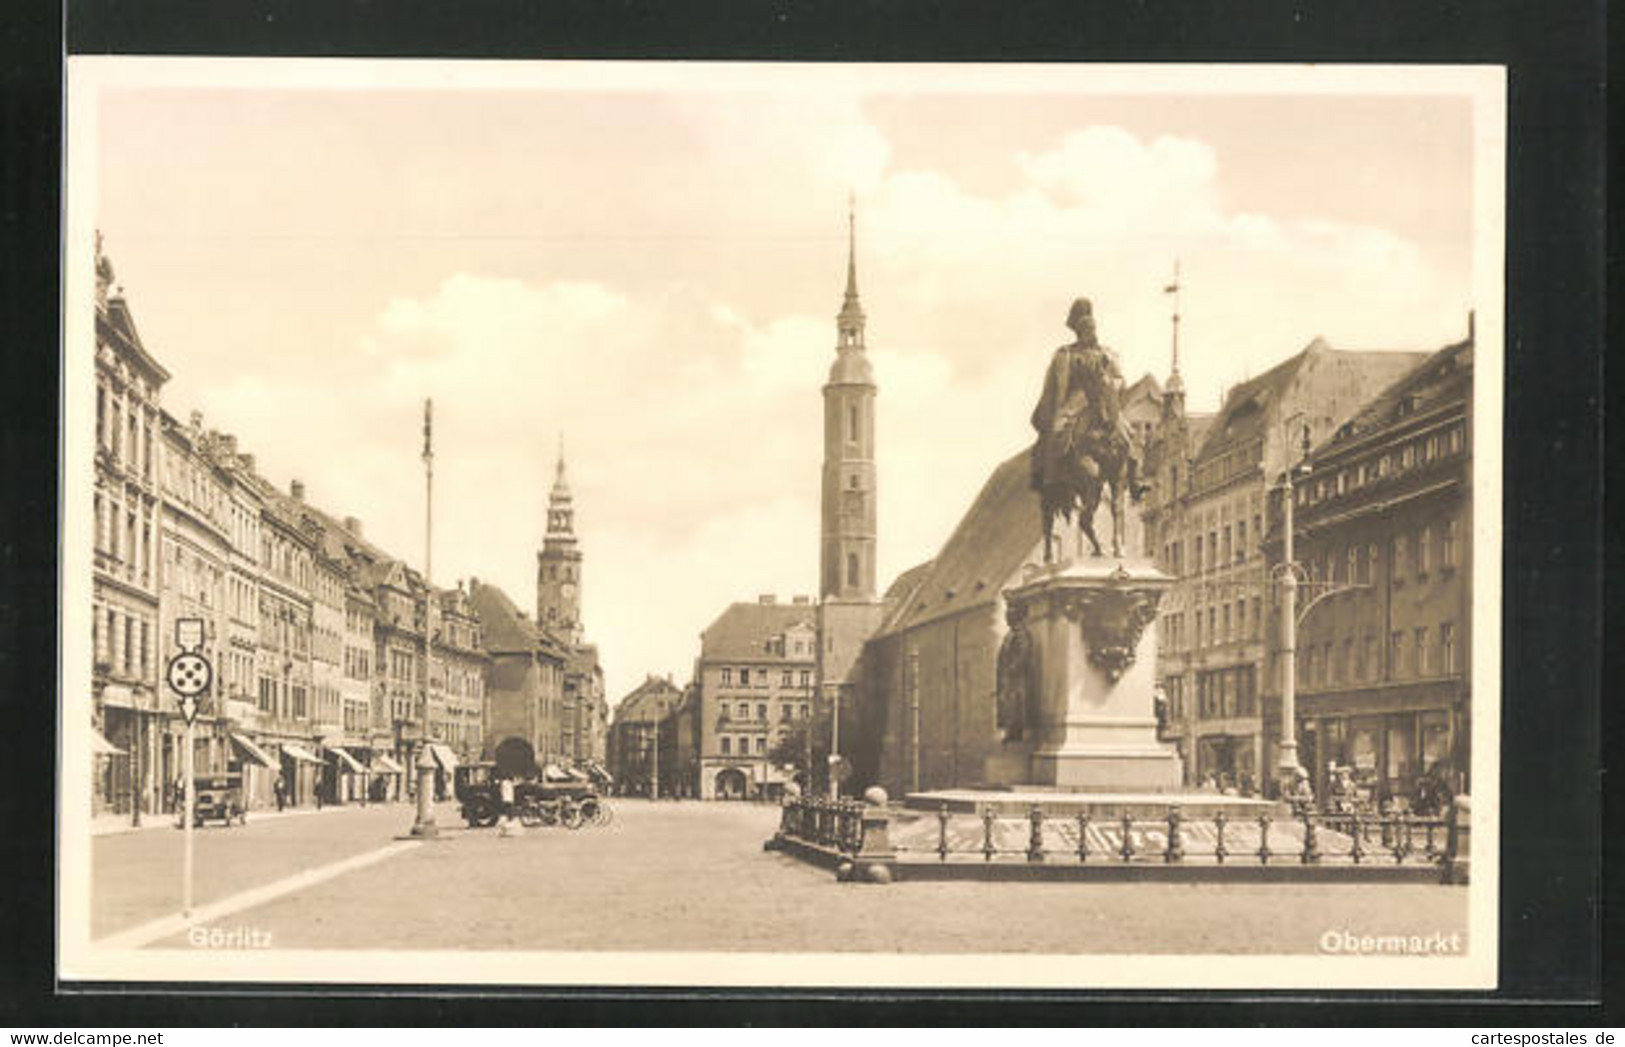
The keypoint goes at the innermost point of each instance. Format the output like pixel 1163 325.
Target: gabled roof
pixel 503 628
pixel 640 702
pixel 903 587
pixel 1443 377
pixel 993 539
pixel 1246 411
pixel 741 632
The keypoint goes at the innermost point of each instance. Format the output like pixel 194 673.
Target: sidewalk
pixel 119 824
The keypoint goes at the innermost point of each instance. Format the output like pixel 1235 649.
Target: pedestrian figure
pixel 281 789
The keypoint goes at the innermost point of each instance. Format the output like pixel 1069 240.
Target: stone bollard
pixel 1035 837
pixel 875 860
pixel 425 828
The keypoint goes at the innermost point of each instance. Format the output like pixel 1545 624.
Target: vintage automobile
pixel 571 803
pixel 218 798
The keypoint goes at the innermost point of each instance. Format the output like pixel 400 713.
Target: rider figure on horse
pixel 1069 420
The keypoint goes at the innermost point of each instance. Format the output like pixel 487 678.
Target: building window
pixel 727 745
pixel 727 677
pixel 806 677
pixel 744 678
pixel 1212 625
pixel 806 711
pixel 1228 636
pixel 1424 547
pixel 744 710
pixel 1396 654
pixel 1447 544
pixel 761 745
pixel 852 569
pixel 1197 561
pixel 1455 440
pixel 761 711
pixel 1401 558
pixel 1354 565
pixel 1241 541
pixel 852 423
pixel 1423 662
pixel 1447 648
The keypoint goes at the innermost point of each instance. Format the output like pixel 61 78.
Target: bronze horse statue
pixel 1092 459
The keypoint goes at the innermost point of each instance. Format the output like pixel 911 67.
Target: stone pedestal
pixel 1093 629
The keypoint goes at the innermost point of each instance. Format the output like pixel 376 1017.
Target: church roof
pixel 902 589
pixel 994 537
pixel 741 632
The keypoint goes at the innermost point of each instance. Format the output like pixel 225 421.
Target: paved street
pixel 691 876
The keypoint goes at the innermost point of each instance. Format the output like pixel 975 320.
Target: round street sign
pixel 189 674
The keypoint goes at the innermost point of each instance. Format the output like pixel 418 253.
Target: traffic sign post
pixel 189 674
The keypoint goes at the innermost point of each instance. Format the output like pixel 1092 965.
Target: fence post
pixel 1127 850
pixel 1176 845
pixel 987 834
pixel 1458 840
pixel 1083 837
pixel 942 833
pixel 875 861
pixel 1035 838
pixel 1263 839
pixel 1311 848
pixel 1219 850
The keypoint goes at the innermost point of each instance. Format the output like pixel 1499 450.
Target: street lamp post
pixel 1289 627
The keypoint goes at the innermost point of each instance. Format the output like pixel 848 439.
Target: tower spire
pixel 1175 383
pixel 851 248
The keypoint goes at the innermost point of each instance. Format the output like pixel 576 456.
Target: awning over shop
pixel 443 756
pixel 294 751
pixel 102 747
pixel 346 761
pixel 384 765
pixel 252 751
pixel 118 696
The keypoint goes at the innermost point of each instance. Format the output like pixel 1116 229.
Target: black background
pixel 1552 926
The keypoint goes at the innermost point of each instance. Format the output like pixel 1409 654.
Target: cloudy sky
pixel 654 271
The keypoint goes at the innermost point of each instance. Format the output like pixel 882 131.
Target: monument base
pixel 1121 770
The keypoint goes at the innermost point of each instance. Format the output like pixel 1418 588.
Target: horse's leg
pixel 1090 500
pixel 1117 520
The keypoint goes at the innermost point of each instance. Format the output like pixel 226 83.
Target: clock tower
pixel 558 565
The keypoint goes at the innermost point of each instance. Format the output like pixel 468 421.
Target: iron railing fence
pixel 1307 838
pixel 829 823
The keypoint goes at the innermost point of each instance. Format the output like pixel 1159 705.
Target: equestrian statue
pixel 1084 446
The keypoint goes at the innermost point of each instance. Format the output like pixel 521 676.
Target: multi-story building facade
pixel 398 655
pixel 1382 519
pixel 1205 525
pixel 194 582
pixel 285 707
pixel 755 677
pixel 641 740
pixel 127 709
pixel 457 671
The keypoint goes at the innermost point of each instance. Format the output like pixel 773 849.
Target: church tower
pixel 558 565
pixel 847 558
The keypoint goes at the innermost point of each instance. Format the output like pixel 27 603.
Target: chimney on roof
pixel 297 489
pixel 196 419
pixel 248 462
pixel 353 525
pixel 801 601
pixel 767 599
pixel 1472 325
pixel 229 442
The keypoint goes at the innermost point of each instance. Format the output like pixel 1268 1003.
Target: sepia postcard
pixel 782 525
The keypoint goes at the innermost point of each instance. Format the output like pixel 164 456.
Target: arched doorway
pixel 730 784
